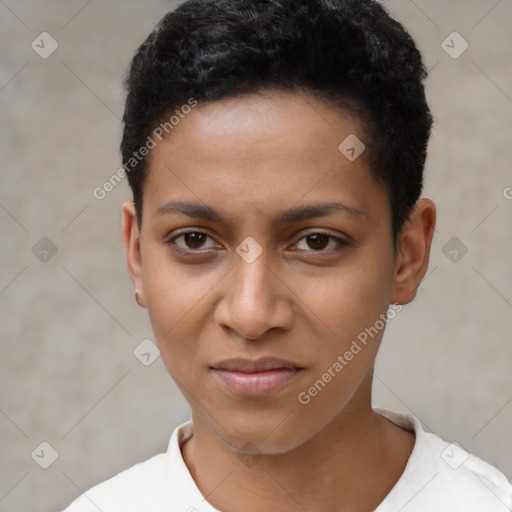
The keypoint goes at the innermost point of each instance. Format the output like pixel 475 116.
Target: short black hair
pixel 348 52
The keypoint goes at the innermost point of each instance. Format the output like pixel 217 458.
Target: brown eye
pixel 191 241
pixel 318 241
pixel 194 240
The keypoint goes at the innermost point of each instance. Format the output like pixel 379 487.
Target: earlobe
pixel 414 244
pixel 130 233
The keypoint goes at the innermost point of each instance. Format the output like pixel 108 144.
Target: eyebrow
pixel 296 214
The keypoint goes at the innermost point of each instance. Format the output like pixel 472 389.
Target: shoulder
pixel 122 492
pixel 464 477
pixel 148 485
pixel 444 477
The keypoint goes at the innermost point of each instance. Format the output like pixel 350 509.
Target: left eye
pixel 320 242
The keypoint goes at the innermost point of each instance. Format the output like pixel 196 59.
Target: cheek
pixel 350 304
pixel 353 298
pixel 173 289
pixel 175 298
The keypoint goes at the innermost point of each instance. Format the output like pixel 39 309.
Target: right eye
pixel 190 241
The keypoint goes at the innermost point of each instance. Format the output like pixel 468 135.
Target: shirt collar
pixel 187 497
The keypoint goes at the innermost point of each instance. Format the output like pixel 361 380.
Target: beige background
pixel 69 326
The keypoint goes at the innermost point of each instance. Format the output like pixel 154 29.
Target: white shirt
pixel 438 477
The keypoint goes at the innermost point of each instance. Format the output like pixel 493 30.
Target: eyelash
pixel 171 242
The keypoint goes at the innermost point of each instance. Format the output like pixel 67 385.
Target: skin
pixel 303 299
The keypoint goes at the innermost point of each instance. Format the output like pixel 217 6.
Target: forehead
pixel 261 151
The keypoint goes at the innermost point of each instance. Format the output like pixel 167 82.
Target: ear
pixel 414 242
pixel 130 231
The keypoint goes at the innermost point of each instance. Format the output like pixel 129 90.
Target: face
pixel 264 255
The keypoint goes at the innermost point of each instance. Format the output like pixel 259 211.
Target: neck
pixel 350 465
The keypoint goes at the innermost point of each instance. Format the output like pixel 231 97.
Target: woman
pixel 275 150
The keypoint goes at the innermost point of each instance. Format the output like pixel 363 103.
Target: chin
pixel 270 434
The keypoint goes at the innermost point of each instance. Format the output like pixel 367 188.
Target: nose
pixel 254 300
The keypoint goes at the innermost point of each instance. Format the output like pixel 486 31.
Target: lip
pixel 255 378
